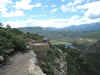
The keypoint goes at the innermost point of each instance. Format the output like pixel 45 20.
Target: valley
pixel 49 37
pixel 51 52
pixel 86 33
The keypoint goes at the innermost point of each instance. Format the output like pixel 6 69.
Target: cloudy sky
pixel 49 13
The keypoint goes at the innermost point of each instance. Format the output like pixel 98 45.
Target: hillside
pixel 12 41
pixel 62 58
pixel 16 55
pixel 91 55
pixel 93 27
pixel 68 33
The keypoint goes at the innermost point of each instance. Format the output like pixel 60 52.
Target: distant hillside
pixel 84 30
pixel 85 27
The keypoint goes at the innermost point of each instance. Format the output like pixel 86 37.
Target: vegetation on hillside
pixel 59 60
pixel 52 60
pixel 13 40
pixel 81 59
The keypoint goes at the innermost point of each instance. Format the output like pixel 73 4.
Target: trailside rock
pixel 33 68
pixel 1 58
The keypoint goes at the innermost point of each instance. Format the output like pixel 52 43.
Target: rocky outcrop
pixel 60 67
pixel 51 60
pixel 34 69
pixel 1 58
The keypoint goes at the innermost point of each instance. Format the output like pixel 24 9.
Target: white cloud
pixel 92 9
pixel 4 9
pixel 54 10
pixel 89 5
pixel 64 8
pixel 74 20
pixel 91 15
pixel 71 6
pixel 68 7
pixel 40 15
pixel 12 13
pixel 48 23
pixel 3 4
pixel 43 23
pixel 86 20
pixel 77 20
pixel 25 4
pixel 63 0
pixel 37 5
pixel 77 2
pixel 15 24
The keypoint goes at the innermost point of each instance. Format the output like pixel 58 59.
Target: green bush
pixel 11 38
pixel 34 36
pixel 19 43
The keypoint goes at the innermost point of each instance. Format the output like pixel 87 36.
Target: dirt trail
pixel 20 63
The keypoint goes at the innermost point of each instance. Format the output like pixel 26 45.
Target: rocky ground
pixel 22 64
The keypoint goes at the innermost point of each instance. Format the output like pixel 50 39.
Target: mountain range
pixel 75 31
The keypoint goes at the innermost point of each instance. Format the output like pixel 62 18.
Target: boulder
pixel 1 58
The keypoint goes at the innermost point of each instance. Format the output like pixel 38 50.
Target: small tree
pixel 8 26
pixel 1 25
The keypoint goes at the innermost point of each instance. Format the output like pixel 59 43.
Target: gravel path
pixel 20 64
